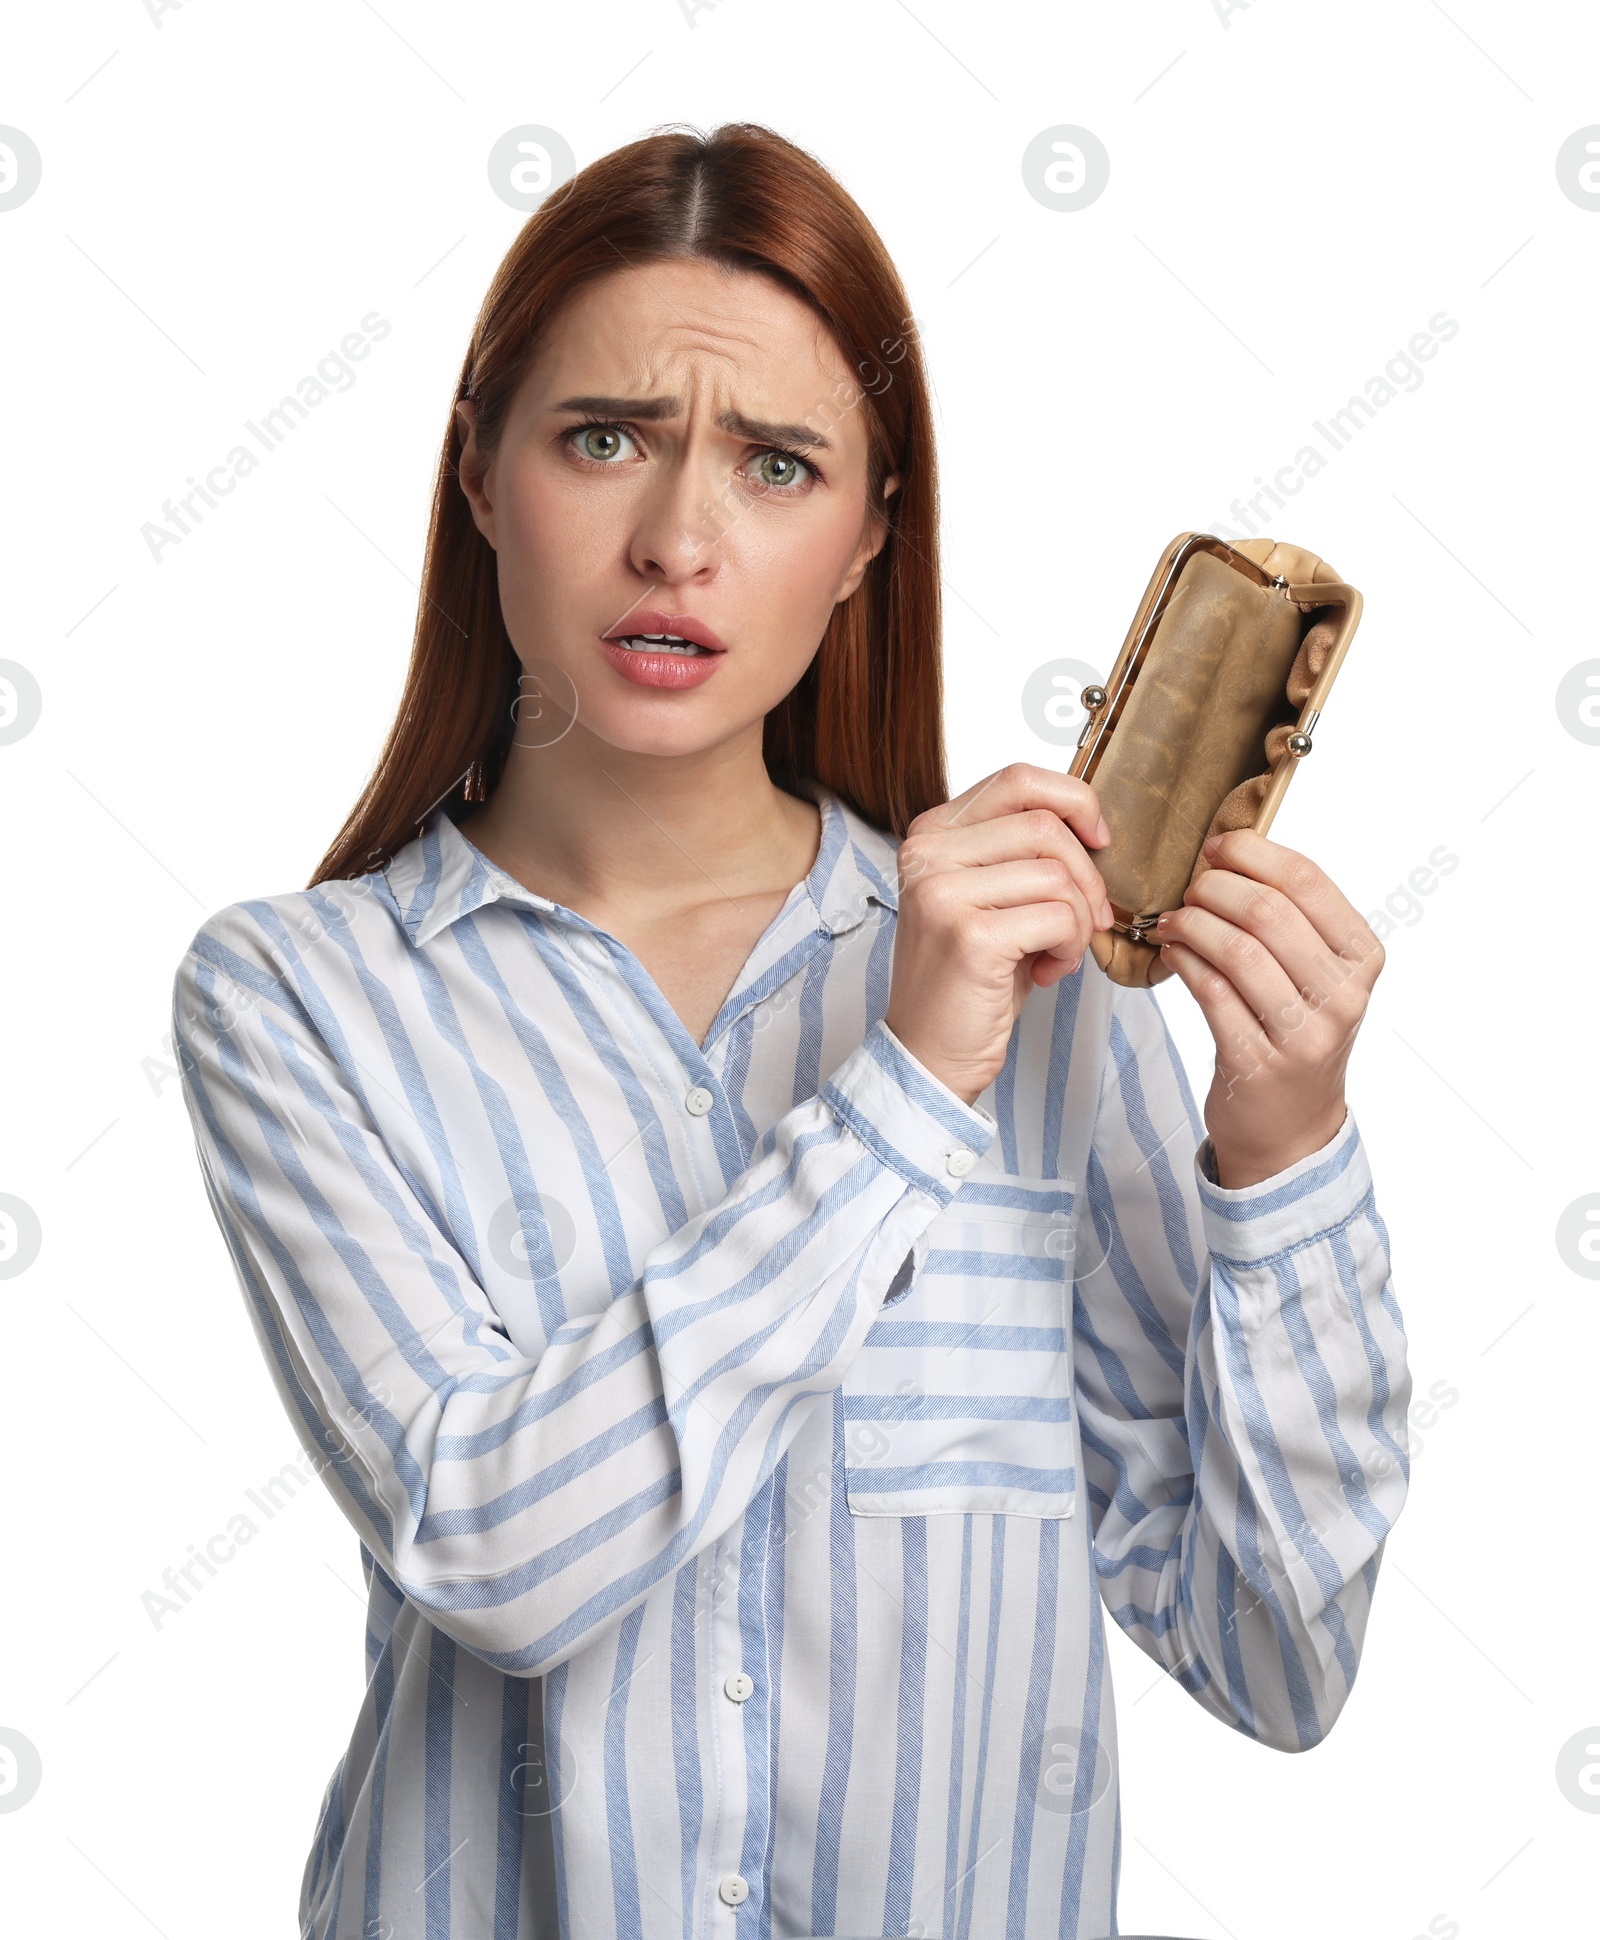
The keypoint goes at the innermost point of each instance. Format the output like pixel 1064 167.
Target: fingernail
pixel 1211 845
pixel 1102 833
pixel 1106 916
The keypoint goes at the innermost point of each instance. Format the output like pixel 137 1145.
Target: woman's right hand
pixel 997 894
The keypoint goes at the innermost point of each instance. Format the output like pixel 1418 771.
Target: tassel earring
pixel 474 789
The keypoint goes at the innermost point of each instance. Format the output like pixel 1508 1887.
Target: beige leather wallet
pixel 1204 717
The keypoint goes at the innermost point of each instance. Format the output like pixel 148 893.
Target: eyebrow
pixel 761 431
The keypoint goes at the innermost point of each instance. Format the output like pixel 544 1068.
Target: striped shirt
pixel 746 1440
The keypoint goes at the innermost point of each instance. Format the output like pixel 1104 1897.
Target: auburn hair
pixel 865 720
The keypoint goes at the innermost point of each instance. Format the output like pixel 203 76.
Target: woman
pixel 738 1264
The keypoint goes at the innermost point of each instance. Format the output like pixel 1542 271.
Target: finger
pixel 994 895
pixel 1329 911
pixel 1051 930
pixel 1236 1028
pixel 1084 925
pixel 1023 786
pixel 1005 838
pixel 1242 959
pixel 1033 881
pixel 1281 926
pixel 1047 968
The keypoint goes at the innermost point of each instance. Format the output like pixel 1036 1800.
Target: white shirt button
pixel 737 1686
pixel 959 1164
pixel 697 1101
pixel 733 1891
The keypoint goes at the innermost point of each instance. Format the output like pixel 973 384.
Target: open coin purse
pixel 1204 717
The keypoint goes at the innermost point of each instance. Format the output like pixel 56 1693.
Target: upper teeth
pixel 658 640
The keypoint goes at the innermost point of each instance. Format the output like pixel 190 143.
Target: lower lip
pixel 673 671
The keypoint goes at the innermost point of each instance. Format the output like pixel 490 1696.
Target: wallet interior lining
pixel 1240 807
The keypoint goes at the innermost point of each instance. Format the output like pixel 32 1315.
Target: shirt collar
pixel 855 866
pixel 441 876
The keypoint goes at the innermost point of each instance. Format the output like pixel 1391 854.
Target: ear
pixel 875 530
pixel 472 472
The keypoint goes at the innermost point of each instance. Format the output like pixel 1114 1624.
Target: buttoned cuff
pixel 909 1118
pixel 1248 1225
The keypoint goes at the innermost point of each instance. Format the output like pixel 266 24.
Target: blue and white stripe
pixel 622 1399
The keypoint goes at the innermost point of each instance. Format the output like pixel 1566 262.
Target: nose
pixel 679 524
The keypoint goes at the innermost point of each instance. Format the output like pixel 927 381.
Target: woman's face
pixel 687 455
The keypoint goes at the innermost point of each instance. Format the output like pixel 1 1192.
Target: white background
pixel 1295 190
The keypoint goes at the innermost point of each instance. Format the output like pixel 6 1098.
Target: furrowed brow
pixel 760 431
pixel 648 410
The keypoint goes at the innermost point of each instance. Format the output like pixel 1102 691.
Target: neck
pixel 595 827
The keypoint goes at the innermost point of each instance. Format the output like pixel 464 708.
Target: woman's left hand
pixel 1282 966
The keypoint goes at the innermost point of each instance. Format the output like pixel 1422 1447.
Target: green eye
pixel 780 469
pixel 599 441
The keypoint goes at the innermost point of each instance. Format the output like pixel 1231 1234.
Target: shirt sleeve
pixel 527 1503
pixel 1242 1383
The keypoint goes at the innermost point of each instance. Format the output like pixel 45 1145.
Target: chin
pixel 665 727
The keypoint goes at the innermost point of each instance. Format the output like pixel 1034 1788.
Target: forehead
pixel 733 332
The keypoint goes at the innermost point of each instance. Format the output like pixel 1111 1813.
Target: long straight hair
pixel 865 720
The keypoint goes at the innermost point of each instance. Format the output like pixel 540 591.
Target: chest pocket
pixel 960 1398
